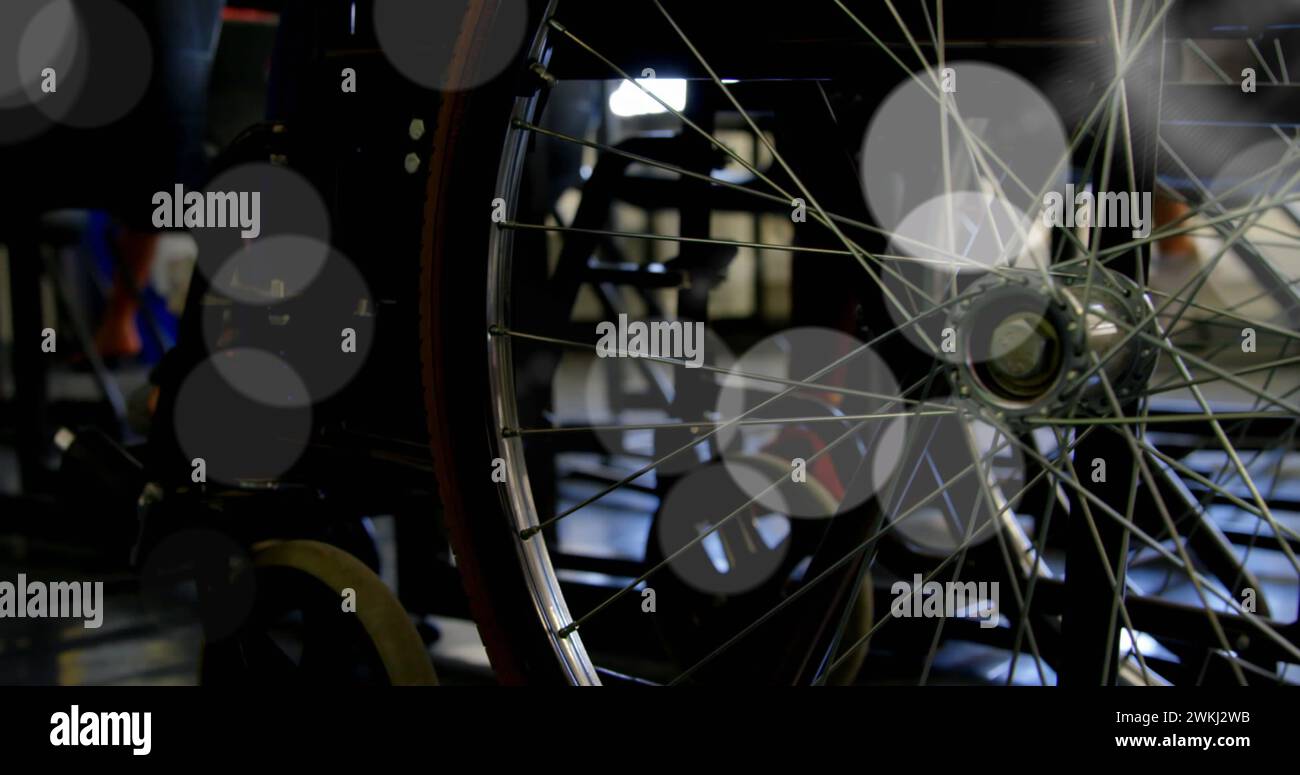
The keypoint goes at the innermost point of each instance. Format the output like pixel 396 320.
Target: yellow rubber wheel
pixel 400 647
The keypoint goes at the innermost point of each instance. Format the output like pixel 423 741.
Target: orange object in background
pixel 117 335
pixel 1179 245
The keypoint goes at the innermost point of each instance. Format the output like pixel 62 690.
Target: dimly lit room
pixel 648 343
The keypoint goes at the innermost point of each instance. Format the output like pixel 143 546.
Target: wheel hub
pixel 1026 348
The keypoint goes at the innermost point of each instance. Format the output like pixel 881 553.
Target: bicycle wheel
pixel 1041 359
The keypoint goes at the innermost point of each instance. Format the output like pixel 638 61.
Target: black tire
pixel 467 145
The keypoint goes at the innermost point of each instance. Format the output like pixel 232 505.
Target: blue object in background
pixel 156 324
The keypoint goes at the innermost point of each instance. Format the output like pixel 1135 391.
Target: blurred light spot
pixel 628 100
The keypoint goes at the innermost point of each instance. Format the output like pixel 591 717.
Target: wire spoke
pixel 1163 509
pixel 1159 418
pixel 534 530
pixel 819 213
pixel 850 555
pixel 674 238
pixel 860 255
pixel 947 254
pixel 665 562
pixel 1257 622
pixel 1009 525
pixel 839 418
pixel 730 373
